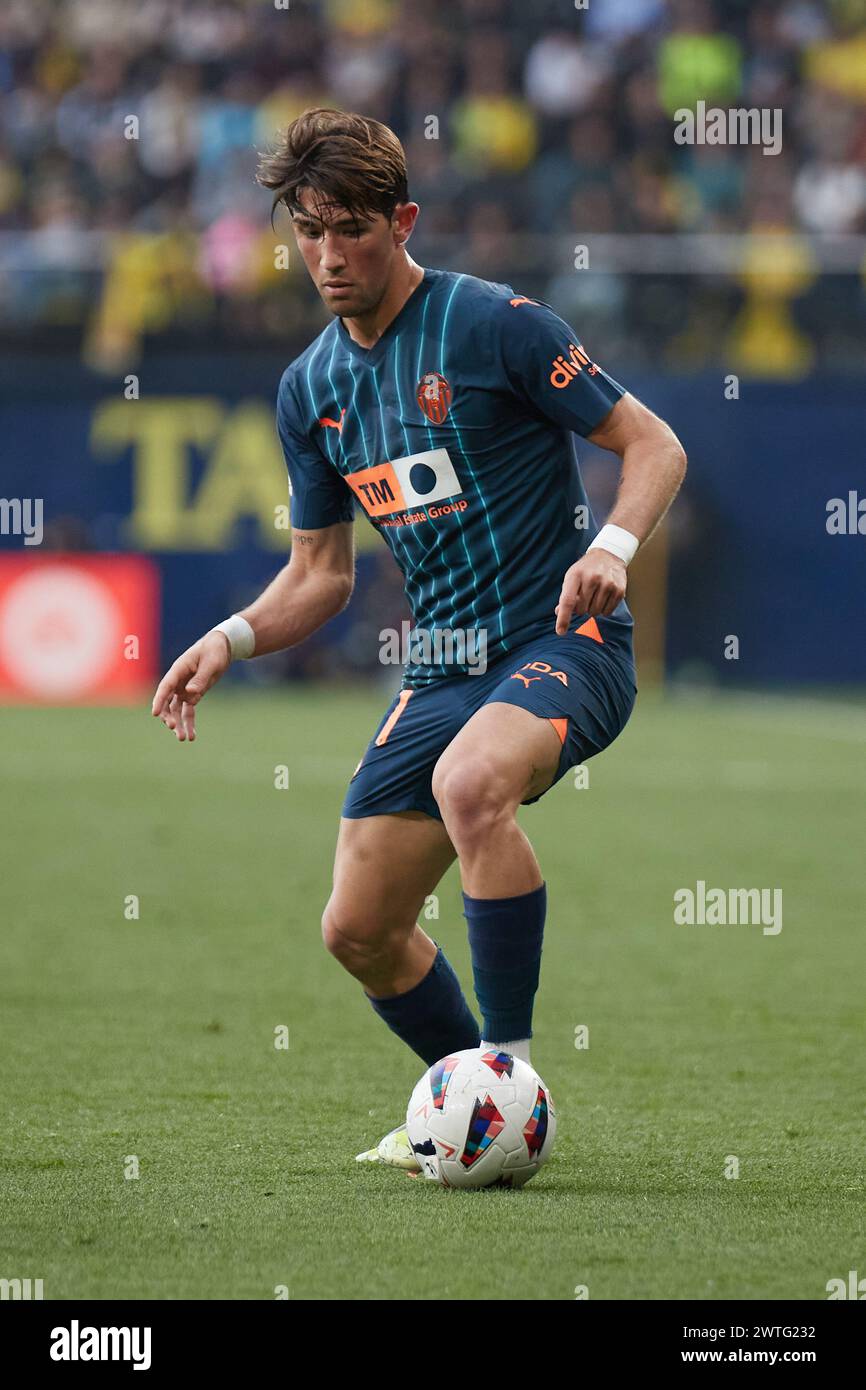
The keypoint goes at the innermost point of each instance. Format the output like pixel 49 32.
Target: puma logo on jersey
pixel 521 299
pixel 337 425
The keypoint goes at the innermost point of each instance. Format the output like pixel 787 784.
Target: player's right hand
pixel 184 683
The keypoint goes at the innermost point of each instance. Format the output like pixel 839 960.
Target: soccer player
pixel 446 407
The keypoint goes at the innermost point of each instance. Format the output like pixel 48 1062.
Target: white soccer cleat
pixel 394 1150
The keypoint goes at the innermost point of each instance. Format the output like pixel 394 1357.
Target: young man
pixel 446 406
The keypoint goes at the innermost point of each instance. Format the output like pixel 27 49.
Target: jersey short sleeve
pixel 546 366
pixel 320 494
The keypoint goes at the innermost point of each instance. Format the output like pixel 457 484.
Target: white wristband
pixel 242 639
pixel 617 541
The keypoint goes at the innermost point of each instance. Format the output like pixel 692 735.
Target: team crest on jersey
pixel 433 394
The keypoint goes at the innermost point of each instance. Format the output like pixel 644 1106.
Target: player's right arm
pixel 315 585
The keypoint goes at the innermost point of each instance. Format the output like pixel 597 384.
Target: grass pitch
pixel 150 1042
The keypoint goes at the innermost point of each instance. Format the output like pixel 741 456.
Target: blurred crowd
pixel 128 131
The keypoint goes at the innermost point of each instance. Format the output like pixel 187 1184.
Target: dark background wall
pixel 191 473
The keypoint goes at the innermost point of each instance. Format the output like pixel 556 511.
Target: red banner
pixel 78 629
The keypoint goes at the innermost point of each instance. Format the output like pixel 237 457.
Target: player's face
pixel 349 260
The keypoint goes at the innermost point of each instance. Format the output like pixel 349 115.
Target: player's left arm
pixel 546 366
pixel 653 464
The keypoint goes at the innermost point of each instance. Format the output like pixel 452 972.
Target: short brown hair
pixel 351 160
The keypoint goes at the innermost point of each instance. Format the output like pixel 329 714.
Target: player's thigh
pixel 384 869
pixel 502 755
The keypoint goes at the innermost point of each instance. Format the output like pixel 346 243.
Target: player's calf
pixel 387 956
pixel 502 756
pixel 384 869
pixel 408 981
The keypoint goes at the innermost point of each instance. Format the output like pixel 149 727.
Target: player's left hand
pixel 594 585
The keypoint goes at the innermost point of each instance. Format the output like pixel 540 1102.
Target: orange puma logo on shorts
pixel 543 667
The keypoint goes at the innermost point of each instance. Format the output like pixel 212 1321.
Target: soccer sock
pixel 518 1047
pixel 433 1017
pixel 505 937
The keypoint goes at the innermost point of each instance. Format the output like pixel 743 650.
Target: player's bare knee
pixel 471 797
pixel 342 937
pixel 355 939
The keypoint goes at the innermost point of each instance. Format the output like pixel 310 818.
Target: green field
pixel 155 1037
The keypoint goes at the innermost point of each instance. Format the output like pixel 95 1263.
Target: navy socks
pixel 433 1017
pixel 505 937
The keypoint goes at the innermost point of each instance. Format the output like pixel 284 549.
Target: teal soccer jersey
pixel 455 434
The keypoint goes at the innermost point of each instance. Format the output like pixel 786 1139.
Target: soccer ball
pixel 481 1118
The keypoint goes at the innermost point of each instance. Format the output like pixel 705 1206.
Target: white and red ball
pixel 481 1118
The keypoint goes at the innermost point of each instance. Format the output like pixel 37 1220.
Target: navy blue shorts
pixel 583 682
